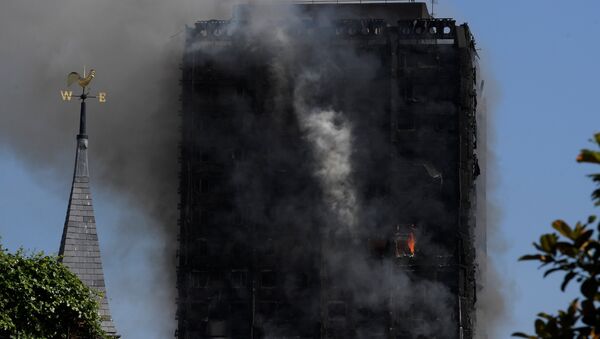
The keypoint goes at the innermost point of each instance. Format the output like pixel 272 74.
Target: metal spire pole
pixel 82 117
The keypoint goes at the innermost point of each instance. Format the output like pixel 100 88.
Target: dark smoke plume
pixel 135 47
pixel 493 302
pixel 333 149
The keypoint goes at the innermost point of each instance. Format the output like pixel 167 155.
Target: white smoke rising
pixel 330 135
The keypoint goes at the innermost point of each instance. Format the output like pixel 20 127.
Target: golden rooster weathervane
pixel 83 82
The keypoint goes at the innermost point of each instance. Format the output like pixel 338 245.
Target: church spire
pixel 79 247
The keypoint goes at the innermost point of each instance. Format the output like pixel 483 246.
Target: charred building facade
pixel 328 171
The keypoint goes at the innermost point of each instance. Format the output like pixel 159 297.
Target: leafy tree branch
pixel 573 251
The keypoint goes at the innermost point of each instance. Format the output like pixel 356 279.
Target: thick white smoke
pixel 330 135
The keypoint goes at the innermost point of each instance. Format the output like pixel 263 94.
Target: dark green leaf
pixel 579 227
pixel 589 288
pixel 531 257
pixel 548 243
pixel 567 249
pixel 552 270
pixel 567 279
pixel 583 237
pixel 563 228
pixel 589 156
pixel 523 335
pixel 540 326
pixel 589 312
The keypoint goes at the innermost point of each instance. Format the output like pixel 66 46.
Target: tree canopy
pixel 41 298
pixel 573 251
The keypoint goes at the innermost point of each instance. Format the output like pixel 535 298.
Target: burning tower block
pixel 328 174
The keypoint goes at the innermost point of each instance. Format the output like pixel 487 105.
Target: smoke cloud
pixel 493 303
pixel 321 127
pixel 135 47
pixel 330 135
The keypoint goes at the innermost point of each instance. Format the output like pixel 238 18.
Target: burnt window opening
pixel 238 220
pixel 267 308
pixel 336 309
pixel 238 278
pixel 239 252
pixel 269 247
pixel 198 311
pixel 197 186
pixel 197 216
pixel 440 126
pixel 238 319
pixel 217 328
pixel 209 184
pixel 238 154
pixel 402 61
pixel 410 95
pixel 240 88
pixel 205 185
pixel 199 279
pixel 202 246
pixel 405 120
pixel 203 216
pixel 337 328
pixel 405 247
pixel 461 251
pixel 378 247
pixel 462 278
pixel 405 241
pixel 303 281
pixel 365 313
pixel 239 309
pixel 268 279
pixel 207 155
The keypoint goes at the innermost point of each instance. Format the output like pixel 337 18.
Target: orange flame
pixel 411 242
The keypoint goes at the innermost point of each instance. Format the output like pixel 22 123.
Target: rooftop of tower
pixel 387 10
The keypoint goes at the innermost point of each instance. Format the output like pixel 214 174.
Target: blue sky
pixel 542 57
pixel 542 61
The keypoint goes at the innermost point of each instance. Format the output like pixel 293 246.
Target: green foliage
pixel 41 298
pixel 592 157
pixel 574 251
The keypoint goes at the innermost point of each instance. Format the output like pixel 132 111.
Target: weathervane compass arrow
pixel 83 82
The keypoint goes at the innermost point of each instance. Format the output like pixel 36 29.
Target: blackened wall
pixel 315 148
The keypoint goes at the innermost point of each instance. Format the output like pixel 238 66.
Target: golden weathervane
pixel 83 82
